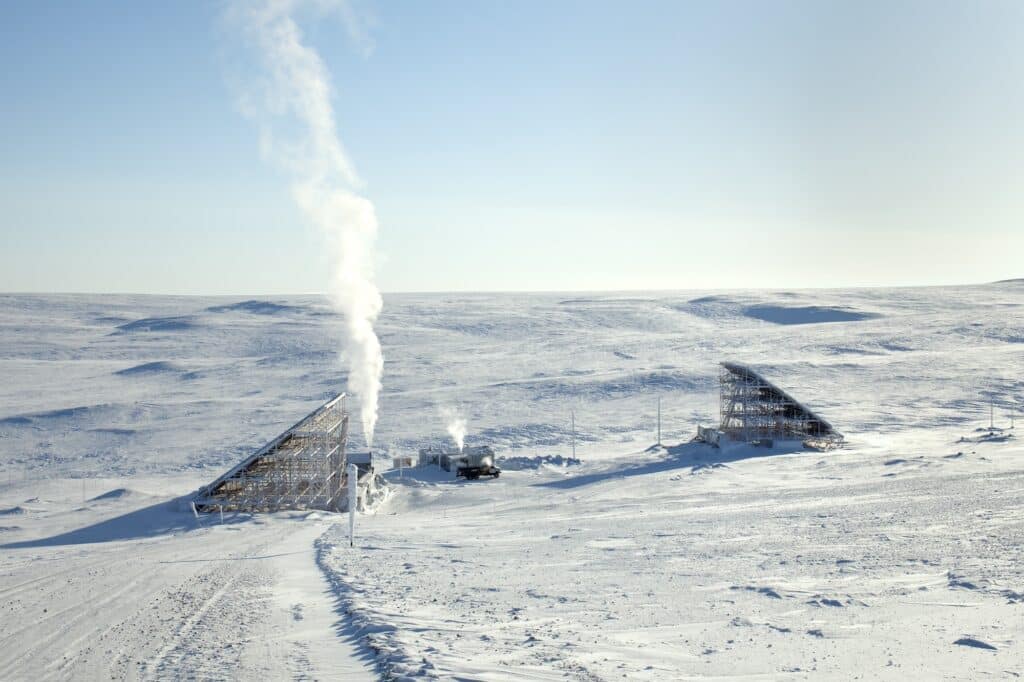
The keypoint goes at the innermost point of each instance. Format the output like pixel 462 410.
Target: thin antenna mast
pixel 659 420
pixel 572 419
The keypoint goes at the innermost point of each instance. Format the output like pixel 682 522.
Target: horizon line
pixel 514 291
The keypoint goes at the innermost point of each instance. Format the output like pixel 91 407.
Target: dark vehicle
pixel 472 463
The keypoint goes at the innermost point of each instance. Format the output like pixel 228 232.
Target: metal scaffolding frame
pixel 755 410
pixel 303 468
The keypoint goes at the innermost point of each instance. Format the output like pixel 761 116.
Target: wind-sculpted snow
pixel 653 563
pixel 255 307
pixel 156 367
pixel 246 376
pixel 632 565
pixel 778 314
pixel 782 313
pixel 158 324
pixel 619 384
pixel 519 463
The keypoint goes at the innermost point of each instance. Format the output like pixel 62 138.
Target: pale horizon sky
pixel 526 147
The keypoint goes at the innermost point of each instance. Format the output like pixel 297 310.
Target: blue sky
pixel 526 146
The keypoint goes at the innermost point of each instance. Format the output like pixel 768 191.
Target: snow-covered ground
pixel 635 562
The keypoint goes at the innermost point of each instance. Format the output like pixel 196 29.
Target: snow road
pixel 146 593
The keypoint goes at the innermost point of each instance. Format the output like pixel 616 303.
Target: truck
pixel 472 463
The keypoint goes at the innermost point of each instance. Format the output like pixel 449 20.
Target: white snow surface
pixel 899 555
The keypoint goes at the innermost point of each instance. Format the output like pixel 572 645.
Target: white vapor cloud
pixel 456 424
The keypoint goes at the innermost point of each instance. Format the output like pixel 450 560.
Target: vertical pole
pixel 572 419
pixel 222 513
pixel 353 497
pixel 991 413
pixel 659 420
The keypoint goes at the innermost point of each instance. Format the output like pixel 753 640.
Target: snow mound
pixel 526 463
pixel 13 511
pixel 158 367
pixel 254 307
pixel 157 324
pixel 70 413
pixel 975 643
pixel 117 494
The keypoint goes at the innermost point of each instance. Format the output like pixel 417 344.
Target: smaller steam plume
pixel 456 426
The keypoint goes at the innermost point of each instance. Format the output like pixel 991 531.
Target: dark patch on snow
pixel 816 633
pixel 158 367
pixel 976 643
pixel 12 511
pixel 812 314
pixel 624 356
pixel 957 582
pixel 626 384
pixel 820 601
pixel 529 435
pixel 113 431
pixel 522 463
pixel 1012 597
pixel 115 494
pixel 159 519
pixel 157 324
pixel 846 350
pixel 254 307
pixel 766 591
pixel 703 467
pixel 15 421
pixel 66 413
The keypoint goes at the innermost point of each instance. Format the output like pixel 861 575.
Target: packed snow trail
pixel 242 600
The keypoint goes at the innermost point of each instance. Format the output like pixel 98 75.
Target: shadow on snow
pixel 162 518
pixel 690 456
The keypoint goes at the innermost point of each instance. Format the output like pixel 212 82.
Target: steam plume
pixel 456 425
pixel 296 98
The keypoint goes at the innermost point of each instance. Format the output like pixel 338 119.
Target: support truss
pixel 755 410
pixel 303 468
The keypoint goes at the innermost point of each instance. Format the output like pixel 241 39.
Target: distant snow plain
pixel 899 555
